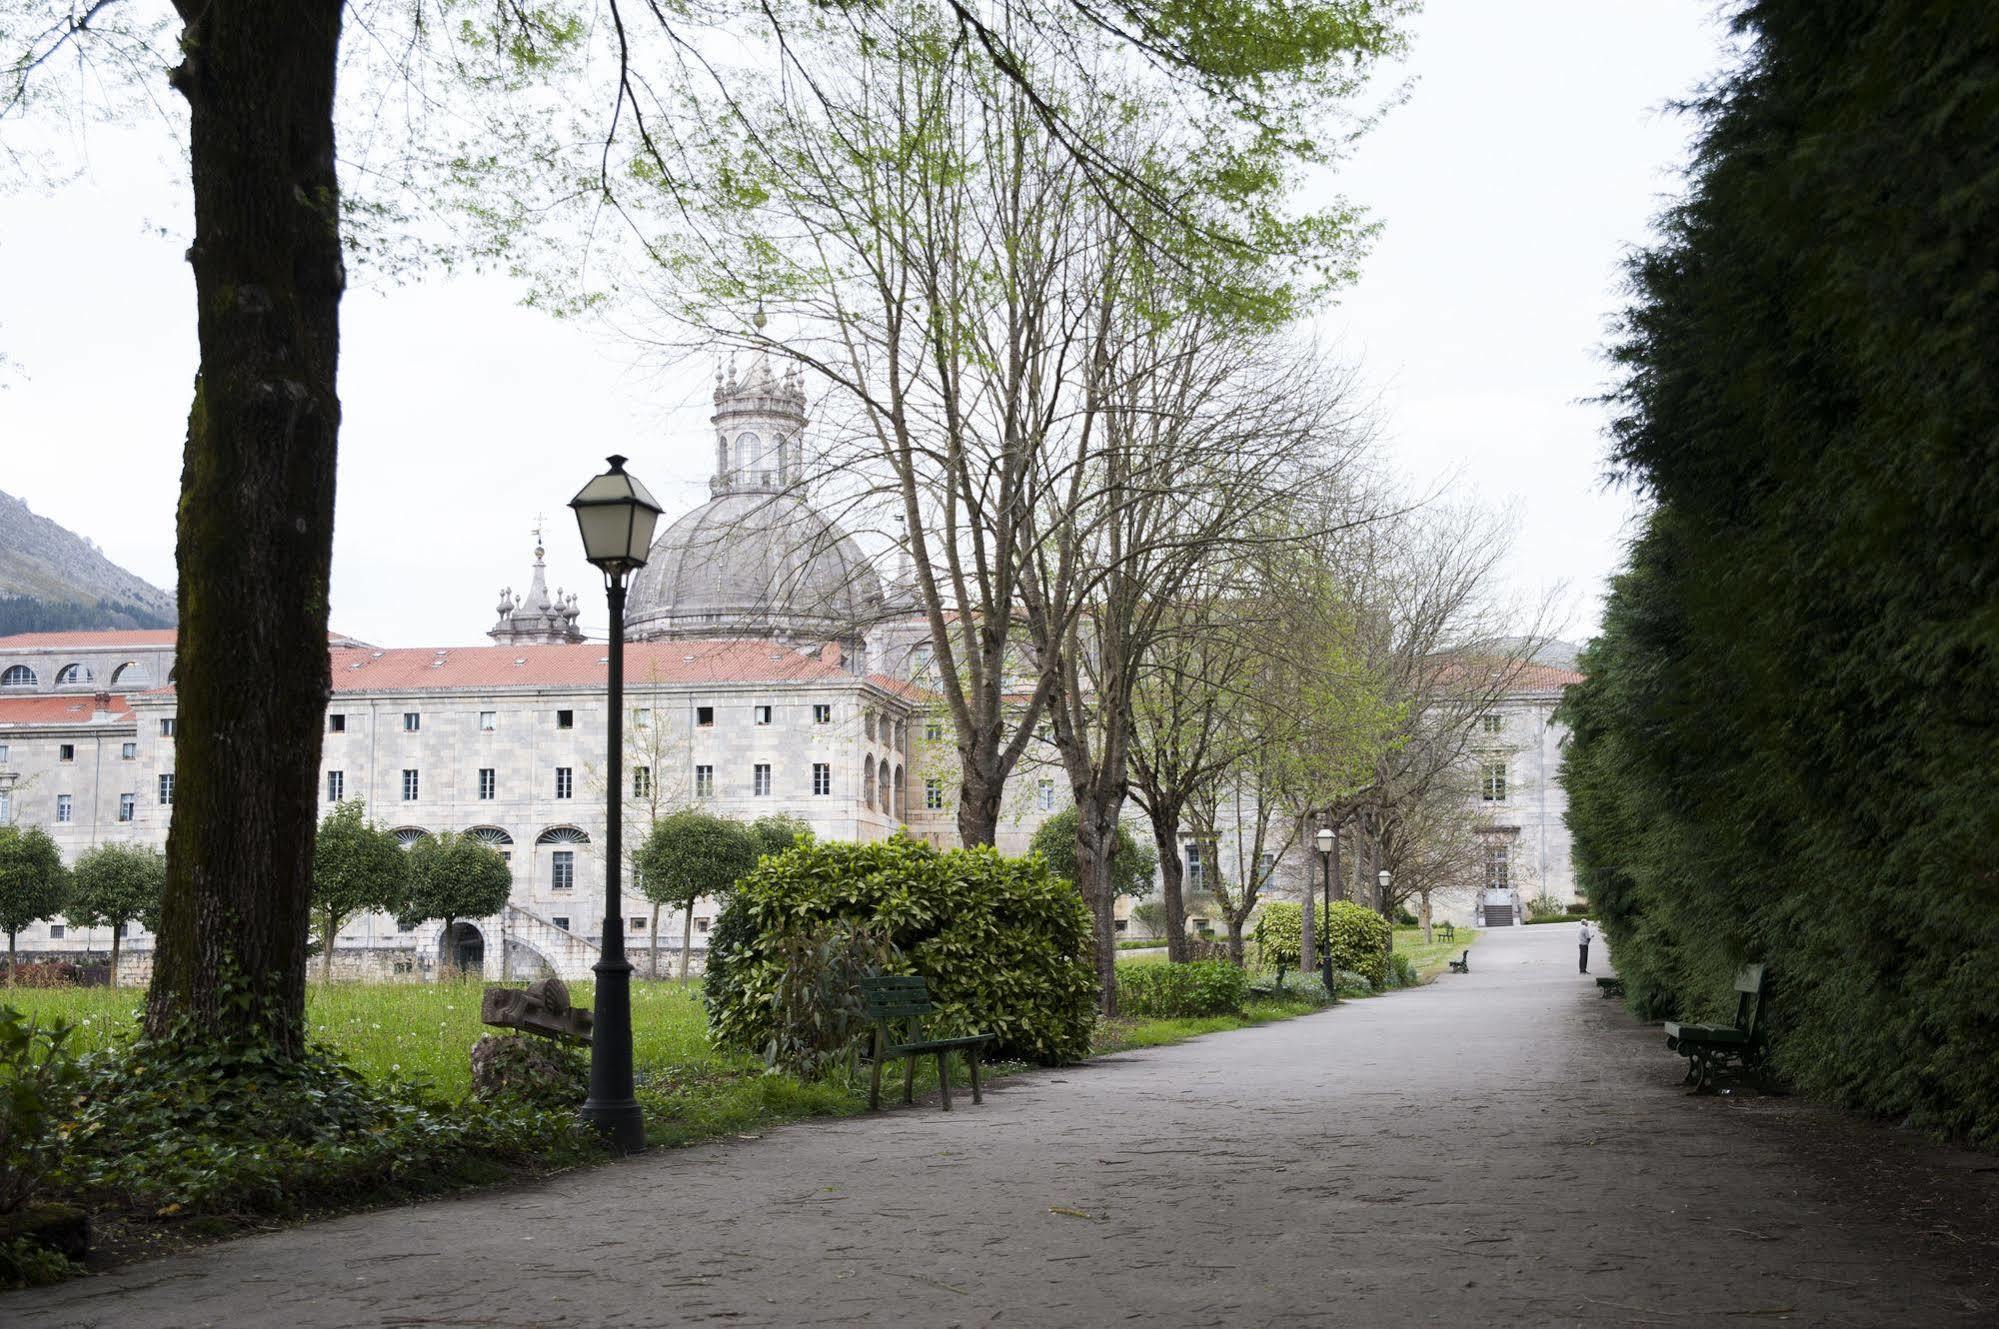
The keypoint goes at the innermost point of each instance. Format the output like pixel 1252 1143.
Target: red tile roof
pixel 1544 678
pixel 67 709
pixel 586 665
pixel 87 641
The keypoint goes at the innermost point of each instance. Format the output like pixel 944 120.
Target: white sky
pixel 1529 158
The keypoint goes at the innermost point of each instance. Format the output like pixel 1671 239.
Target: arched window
pixel 74 675
pixel 562 835
pixel 749 453
pixel 868 780
pixel 18 676
pixel 128 673
pixel 409 835
pixel 491 835
pixel 901 809
pixel 887 805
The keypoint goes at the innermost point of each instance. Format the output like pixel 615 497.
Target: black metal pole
pixel 611 1107
pixel 1326 932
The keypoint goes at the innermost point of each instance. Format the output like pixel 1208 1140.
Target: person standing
pixel 1584 937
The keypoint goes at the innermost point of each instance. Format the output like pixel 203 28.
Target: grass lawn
pixel 1431 959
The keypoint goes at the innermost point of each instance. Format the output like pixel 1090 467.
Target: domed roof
pixel 753 563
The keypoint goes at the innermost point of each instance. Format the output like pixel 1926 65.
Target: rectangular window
pixel 822 778
pixel 638 926
pixel 700 925
pixel 57 932
pixel 561 921
pixel 563 782
pixel 128 805
pixel 63 807
pixel 411 786
pixel 565 719
pixel 489 783
pixel 3 752
pixel 822 713
pixel 488 721
pixel 760 779
pixel 6 808
pixel 167 790
pixel 1498 866
pixel 704 782
pixel 704 717
pixel 336 724
pixel 642 719
pixel 412 722
pixel 126 751
pixel 1492 782
pixel 1492 724
pixel 1193 864
pixel 1269 869
pixel 1044 796
pixel 933 794
pixel 336 786
pixel 760 714
pixel 167 727
pixel 65 752
pixel 563 861
pixel 934 730
pixel 641 782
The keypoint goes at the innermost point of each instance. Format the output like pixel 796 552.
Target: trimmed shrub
pixel 1359 937
pixel 818 1009
pixel 1401 970
pixel 1181 991
pixel 1003 943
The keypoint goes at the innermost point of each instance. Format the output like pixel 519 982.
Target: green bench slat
pixel 934 1044
pixel 1705 1033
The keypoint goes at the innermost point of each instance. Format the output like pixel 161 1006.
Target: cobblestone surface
pixel 1501 1148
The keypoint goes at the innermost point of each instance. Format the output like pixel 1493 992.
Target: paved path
pixel 1500 1148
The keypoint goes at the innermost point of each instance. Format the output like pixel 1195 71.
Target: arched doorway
pixel 463 947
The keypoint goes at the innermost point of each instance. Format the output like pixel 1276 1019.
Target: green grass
pixel 1119 1035
pixel 1430 960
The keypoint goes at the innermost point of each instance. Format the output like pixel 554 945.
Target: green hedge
pixel 1359 936
pixel 1180 991
pixel 1004 944
pixel 1785 745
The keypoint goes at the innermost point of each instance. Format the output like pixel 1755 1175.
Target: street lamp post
pixel 1382 877
pixel 1325 840
pixel 615 515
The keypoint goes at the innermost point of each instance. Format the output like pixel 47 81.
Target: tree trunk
pixel 447 962
pixel 1096 841
pixel 652 963
pixel 1172 877
pixel 978 805
pixel 1426 918
pixel 116 929
pixel 686 940
pixel 10 959
pixel 255 537
pixel 1235 936
pixel 326 960
pixel 1307 907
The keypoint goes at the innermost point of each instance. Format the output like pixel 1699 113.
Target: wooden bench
pixel 1462 965
pixel 1450 931
pixel 1610 987
pixel 1713 1050
pixel 897 1008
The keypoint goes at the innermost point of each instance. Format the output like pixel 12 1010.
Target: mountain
pixel 54 580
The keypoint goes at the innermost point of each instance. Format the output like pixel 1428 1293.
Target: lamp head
pixel 1325 839
pixel 615 514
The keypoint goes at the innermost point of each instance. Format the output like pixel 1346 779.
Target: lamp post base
pixel 611 1108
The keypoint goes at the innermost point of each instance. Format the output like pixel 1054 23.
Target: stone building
pixel 1518 751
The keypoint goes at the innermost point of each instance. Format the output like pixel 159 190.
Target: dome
pixel 753 564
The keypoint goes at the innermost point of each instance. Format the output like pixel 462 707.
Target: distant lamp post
pixel 1325 839
pixel 1383 878
pixel 616 515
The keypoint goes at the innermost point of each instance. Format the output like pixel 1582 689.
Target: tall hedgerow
pixel 1785 749
pixel 1004 944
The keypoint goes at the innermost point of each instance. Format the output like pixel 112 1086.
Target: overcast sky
pixel 1529 158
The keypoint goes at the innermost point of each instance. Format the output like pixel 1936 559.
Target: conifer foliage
pixel 1786 747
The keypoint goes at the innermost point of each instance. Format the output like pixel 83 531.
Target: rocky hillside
pixel 54 580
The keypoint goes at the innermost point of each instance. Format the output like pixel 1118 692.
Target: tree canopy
pixel 690 854
pixel 33 882
pixel 454 876
pixel 357 867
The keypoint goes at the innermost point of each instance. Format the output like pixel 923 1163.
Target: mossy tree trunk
pixel 255 538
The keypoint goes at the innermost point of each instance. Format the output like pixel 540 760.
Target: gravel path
pixel 1501 1148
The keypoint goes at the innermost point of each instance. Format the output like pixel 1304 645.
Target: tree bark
pixel 115 938
pixel 1096 842
pixel 979 801
pixel 326 960
pixel 255 537
pixel 1172 876
pixel 652 962
pixel 686 940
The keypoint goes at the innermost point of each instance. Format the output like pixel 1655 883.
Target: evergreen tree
pixel 357 867
pixel 691 854
pixel 114 885
pixel 452 877
pixel 33 884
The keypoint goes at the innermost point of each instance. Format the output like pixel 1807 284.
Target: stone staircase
pixel 567 955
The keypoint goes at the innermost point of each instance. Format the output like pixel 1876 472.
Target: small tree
pixel 453 877
pixel 1133 865
pixel 356 866
pixel 777 832
pixel 115 884
pixel 33 884
pixel 691 854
